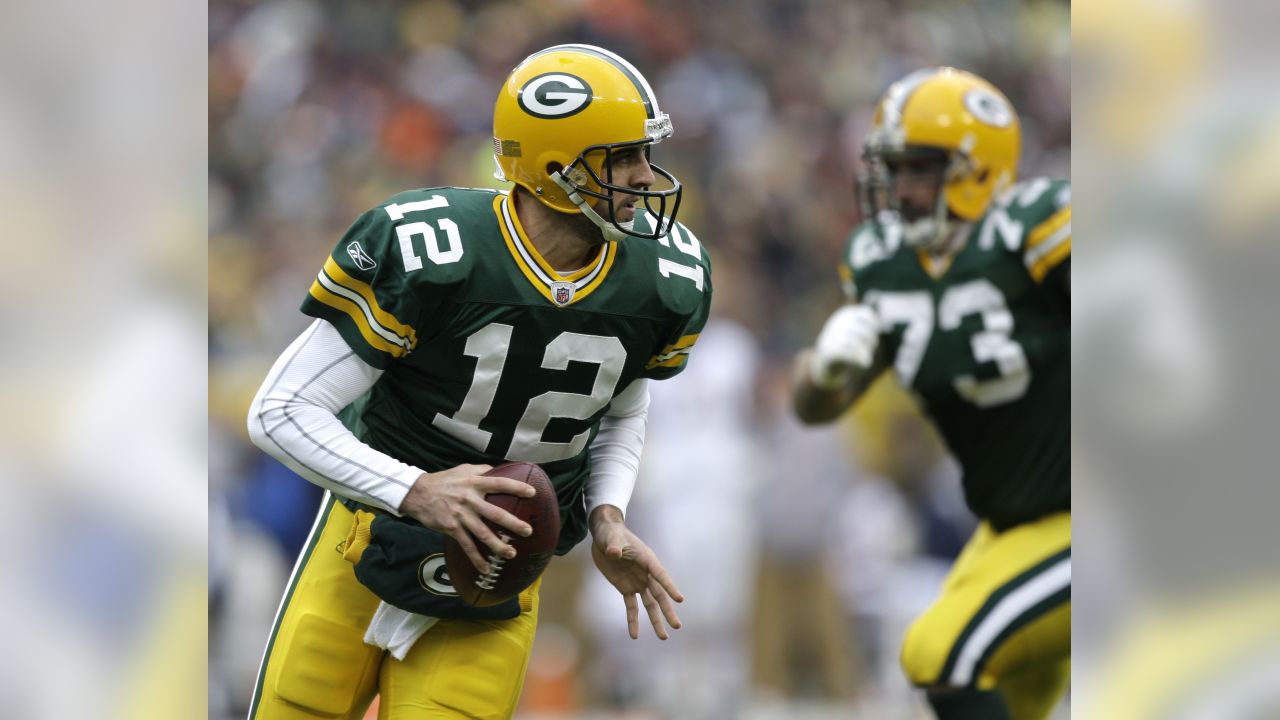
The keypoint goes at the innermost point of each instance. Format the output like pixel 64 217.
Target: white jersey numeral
pixel 993 343
pixel 668 268
pixel 915 310
pixel 451 253
pixel 609 355
pixel 490 345
pixel 686 243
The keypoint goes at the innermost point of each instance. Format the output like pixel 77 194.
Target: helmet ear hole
pixel 982 175
pixel 553 167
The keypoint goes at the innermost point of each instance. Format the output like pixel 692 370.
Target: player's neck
pixel 566 245
pixel 957 238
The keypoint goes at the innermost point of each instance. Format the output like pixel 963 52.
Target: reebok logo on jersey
pixel 360 258
pixel 554 95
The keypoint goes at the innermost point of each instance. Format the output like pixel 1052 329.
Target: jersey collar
pixel 935 266
pixel 560 290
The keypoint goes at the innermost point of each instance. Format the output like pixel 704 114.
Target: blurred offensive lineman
pixel 961 283
pixel 456 329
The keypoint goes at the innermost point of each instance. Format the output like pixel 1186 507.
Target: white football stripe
pixel 359 300
pixel 1005 613
pixel 1048 245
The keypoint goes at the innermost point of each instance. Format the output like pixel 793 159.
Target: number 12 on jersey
pixel 490 346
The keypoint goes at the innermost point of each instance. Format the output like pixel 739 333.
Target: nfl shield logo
pixel 562 293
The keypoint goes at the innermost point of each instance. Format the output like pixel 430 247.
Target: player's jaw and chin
pixel 624 211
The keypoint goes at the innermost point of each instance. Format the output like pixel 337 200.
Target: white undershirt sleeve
pixel 615 453
pixel 294 419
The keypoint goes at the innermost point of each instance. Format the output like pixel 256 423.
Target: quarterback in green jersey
pixel 457 329
pixel 959 283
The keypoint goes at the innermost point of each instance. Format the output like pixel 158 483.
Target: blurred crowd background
pixel 803 553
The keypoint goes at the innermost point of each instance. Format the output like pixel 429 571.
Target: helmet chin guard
pixel 614 232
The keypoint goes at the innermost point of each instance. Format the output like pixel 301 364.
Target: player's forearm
pixel 293 418
pixel 315 444
pixel 616 450
pixel 816 405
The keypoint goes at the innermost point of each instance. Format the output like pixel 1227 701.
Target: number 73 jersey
pixel 489 354
pixel 984 344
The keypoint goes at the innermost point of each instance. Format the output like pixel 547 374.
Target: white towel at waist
pixel 396 630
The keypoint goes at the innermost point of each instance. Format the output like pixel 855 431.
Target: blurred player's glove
pixel 848 339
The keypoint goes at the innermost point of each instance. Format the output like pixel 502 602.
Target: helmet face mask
pixel 585 176
pixel 563 118
pixel 907 186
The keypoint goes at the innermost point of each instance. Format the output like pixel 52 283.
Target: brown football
pixel 506 578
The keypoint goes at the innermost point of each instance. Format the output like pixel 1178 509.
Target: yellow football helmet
pixel 961 119
pixel 559 118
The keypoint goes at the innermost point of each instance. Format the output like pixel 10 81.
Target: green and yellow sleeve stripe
pixel 379 328
pixel 673 355
pixel 1048 244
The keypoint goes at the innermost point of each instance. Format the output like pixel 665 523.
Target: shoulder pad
pixel 678 254
pixel 1024 213
pixel 869 245
pixel 684 285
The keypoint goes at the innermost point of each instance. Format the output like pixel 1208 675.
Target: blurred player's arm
pixel 294 419
pixel 829 377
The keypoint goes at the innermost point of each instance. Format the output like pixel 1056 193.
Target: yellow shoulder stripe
pixel 363 289
pixel 1059 253
pixel 676 361
pixel 682 344
pixel 673 355
pixel 1048 244
pixel 349 306
pixel 1046 229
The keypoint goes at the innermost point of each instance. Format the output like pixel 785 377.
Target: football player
pixel 959 282
pixel 459 328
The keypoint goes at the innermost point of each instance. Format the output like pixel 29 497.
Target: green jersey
pixel 984 344
pixel 489 354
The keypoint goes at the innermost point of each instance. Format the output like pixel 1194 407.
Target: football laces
pixel 488 580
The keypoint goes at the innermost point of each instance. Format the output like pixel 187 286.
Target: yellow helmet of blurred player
pixel 964 122
pixel 561 115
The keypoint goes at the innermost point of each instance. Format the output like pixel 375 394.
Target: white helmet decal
pixel 988 107
pixel 555 95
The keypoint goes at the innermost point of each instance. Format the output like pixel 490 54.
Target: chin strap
pixel 610 233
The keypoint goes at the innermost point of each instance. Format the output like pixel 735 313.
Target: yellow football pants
pixel 1003 619
pixel 317 665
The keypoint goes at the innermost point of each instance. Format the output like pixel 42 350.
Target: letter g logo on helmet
pixel 555 95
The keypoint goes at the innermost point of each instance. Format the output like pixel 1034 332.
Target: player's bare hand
pixel 452 502
pixel 633 569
